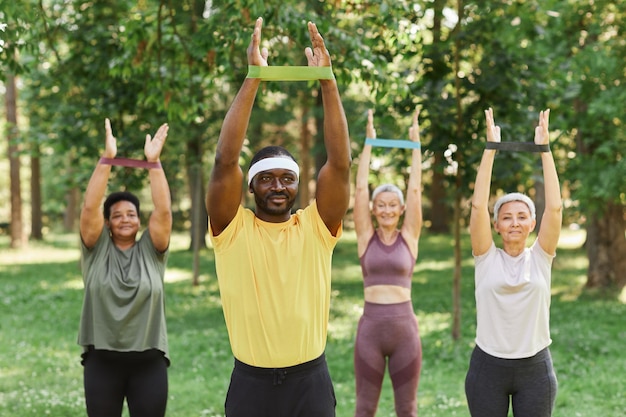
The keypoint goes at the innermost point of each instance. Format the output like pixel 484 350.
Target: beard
pixel 263 204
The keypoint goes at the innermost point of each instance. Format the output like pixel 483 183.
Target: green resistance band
pixel 393 143
pixel 131 163
pixel 290 73
pixel 517 146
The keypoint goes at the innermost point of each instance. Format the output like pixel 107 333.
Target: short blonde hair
pixel 507 198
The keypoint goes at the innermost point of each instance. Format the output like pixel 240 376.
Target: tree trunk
pixel 17 228
pixel 72 209
pixel 198 216
pixel 606 248
pixel 458 262
pixel 606 243
pixel 36 222
pixel 439 210
pixel 458 183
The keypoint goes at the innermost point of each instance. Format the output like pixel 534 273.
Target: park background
pixel 66 65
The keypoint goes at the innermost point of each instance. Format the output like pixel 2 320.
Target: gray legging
pixel 529 384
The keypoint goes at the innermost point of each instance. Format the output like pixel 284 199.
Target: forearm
pixel 480 227
pixel 553 201
pixel 96 188
pixel 415 178
pixel 363 169
pixel 160 224
pixel 91 216
pixel 482 185
pixel 413 217
pixel 235 123
pixel 160 190
pixel 336 135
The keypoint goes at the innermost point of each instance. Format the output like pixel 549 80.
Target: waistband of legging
pixel 280 372
pixel 540 356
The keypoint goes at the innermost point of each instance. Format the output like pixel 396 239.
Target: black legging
pixel 529 384
pixel 140 377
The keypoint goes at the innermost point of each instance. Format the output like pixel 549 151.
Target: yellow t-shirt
pixel 274 281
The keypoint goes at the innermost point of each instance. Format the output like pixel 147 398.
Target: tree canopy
pixel 142 63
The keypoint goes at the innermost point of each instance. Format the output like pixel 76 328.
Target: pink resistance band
pixel 132 163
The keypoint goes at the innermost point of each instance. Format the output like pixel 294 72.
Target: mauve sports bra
pixel 387 264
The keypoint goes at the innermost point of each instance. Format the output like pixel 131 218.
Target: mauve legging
pixel 140 377
pixel 529 384
pixel 387 331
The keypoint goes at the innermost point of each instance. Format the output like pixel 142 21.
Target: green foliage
pixel 142 63
pixel 591 74
pixel 18 34
pixel 40 362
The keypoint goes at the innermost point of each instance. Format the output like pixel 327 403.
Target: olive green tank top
pixel 124 299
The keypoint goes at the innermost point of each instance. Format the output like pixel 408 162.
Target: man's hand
pixel 318 55
pixel 256 55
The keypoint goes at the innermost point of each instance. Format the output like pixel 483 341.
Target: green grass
pixel 41 294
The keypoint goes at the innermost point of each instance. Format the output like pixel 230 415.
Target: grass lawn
pixel 41 295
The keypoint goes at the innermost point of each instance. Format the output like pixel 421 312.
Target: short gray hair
pixel 388 188
pixel 507 198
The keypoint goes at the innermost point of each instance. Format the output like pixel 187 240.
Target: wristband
pixel 393 143
pixel 290 73
pixel 517 146
pixel 132 163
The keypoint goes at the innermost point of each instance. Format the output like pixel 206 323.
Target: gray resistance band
pixel 517 146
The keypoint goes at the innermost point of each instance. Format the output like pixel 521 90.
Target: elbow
pixel 346 163
pixel 163 214
pixel 476 206
pixel 555 210
pixel 225 162
pixel 361 187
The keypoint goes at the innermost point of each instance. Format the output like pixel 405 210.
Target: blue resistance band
pixel 393 143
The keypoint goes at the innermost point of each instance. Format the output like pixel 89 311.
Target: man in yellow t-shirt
pixel 273 266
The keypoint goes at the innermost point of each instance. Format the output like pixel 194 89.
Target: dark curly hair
pixel 116 198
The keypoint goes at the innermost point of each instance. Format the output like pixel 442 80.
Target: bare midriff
pixel 387 294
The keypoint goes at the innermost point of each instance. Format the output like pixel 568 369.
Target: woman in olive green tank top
pixel 122 326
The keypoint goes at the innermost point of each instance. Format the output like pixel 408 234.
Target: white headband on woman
pixel 273 163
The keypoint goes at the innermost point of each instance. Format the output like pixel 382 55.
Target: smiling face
pixel 275 192
pixel 123 221
pixel 514 222
pixel 387 209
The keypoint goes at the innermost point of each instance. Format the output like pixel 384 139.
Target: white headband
pixel 273 163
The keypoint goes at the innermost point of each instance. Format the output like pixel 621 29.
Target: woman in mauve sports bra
pixel 387 330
